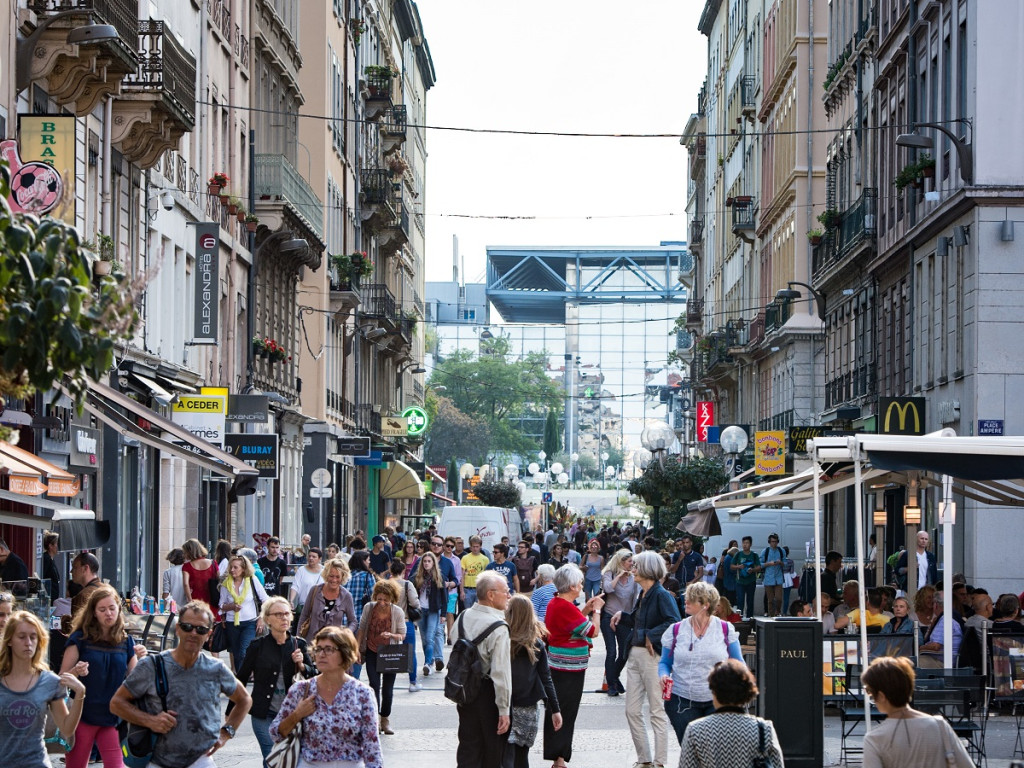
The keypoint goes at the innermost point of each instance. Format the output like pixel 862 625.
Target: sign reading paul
pixel 901 416
pixel 416 416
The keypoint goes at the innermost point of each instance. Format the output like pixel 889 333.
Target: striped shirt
pixel 540 598
pixel 569 636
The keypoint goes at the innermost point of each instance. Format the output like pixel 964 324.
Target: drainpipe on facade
pixel 106 194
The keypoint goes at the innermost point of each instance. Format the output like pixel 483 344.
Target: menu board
pixel 1007 666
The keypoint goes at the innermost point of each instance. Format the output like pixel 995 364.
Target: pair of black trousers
pixel 384 697
pixel 480 744
pixel 569 688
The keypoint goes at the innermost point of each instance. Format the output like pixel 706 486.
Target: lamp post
pixel 734 442
pixel 964 149
pixel 657 438
pixel 793 294
pixel 604 459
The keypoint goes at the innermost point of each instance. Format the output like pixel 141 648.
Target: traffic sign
pixel 547 497
pixel 320 478
pixel 321 493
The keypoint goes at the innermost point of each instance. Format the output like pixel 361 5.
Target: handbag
pixel 393 658
pixel 760 761
pixel 137 745
pixel 56 743
pixel 412 612
pixel 218 638
pixel 286 753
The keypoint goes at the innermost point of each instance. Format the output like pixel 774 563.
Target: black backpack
pixel 465 667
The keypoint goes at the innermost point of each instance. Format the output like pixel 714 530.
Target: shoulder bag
pixel 412 612
pixel 760 761
pixel 305 625
pixel 137 746
pixel 286 753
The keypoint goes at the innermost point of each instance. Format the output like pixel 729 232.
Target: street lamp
pixel 734 442
pixel 86 34
pixel 604 460
pixel 964 149
pixel 791 294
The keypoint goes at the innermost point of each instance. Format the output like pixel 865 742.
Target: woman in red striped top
pixel 569 634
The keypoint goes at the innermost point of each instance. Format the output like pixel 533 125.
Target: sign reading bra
pixel 206 298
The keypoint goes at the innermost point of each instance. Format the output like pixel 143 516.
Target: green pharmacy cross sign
pixel 418 421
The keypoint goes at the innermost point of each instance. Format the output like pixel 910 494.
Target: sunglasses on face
pixel 199 629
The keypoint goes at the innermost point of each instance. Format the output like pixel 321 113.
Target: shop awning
pixel 159 394
pixel 30 475
pixel 78 528
pixel 400 481
pixel 103 403
pixel 443 498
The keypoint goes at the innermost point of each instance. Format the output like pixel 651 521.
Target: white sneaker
pixel 414 687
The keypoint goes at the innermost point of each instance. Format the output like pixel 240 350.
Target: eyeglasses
pixel 437 543
pixel 199 629
pixel 448 546
pixel 279 614
pixel 324 650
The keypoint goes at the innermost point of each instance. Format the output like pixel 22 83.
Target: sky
pixel 566 66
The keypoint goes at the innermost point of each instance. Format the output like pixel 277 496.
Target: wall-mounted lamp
pixel 911 514
pixel 942 247
pixel 375 334
pixel 964 150
pixel 792 294
pixel 86 34
pixel 960 234
pixel 880 518
pixel 1006 235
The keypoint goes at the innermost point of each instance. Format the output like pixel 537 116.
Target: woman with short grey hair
pixel 544 590
pixel 655 611
pixel 569 637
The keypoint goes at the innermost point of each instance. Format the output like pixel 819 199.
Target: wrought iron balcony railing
pixel 377 187
pixel 748 88
pixel 165 66
pixel 379 303
pixel 696 230
pixel 776 314
pixel 857 224
pixel 395 120
pixel 743 210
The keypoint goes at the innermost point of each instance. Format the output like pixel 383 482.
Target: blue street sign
pixel 990 427
pixel 547 497
pixel 713 434
pixel 375 459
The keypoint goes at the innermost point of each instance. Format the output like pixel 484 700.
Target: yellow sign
pixel 770 452
pixel 901 415
pixel 394 426
pixel 49 139
pixel 200 404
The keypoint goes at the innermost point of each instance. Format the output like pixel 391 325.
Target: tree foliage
pixel 59 323
pixel 456 435
pixel 675 485
pixel 499 390
pixel 497 493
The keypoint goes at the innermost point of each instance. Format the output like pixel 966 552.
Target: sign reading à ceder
pixel 202 415
pixel 206 299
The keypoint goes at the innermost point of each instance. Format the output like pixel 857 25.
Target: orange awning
pixel 27 472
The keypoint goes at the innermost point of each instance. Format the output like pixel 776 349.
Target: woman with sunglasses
pixel 273 661
pixel 337 712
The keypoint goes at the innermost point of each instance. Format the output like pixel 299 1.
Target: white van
pixel 489 523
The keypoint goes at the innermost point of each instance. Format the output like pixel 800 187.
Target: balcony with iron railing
pixel 408 329
pixel 696 231
pixel 858 225
pixel 393 127
pixel 368 419
pixel 698 156
pixel 776 314
pixel 157 104
pixel 377 190
pixel 81 76
pixel 377 91
pixel 716 351
pixel 379 304
pixel 748 94
pixel 694 313
pixel 743 214
pixel 345 293
pixel 278 181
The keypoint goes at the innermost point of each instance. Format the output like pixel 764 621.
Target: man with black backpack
pixel 479 675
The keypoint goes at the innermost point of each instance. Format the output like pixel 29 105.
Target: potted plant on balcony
pixel 397 164
pixel 240 213
pixel 251 222
pixel 233 203
pixel 217 182
pixel 358 27
pixel 829 218
pixel 378 80
pixel 814 236
pixel 276 352
pixel 926 166
pixel 908 175
pixel 259 346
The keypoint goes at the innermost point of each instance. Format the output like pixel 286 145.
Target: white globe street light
pixel 657 437
pixel 541 455
pixel 733 439
pixel 556 468
pixel 533 468
pixel 563 478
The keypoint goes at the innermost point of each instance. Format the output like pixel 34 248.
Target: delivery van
pixel 489 523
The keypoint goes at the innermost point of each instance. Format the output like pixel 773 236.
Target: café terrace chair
pixel 962 701
pixel 852 713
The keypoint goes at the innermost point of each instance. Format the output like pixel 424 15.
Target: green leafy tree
pixel 59 323
pixel 456 435
pixel 499 390
pixel 497 493
pixel 674 485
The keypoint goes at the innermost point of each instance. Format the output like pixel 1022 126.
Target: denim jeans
pixel 239 638
pixel 470 599
pixel 261 729
pixel 428 635
pixel 615 647
pixel 439 636
pixel 745 596
pixel 681 712
pixel 410 640
pixel 591 587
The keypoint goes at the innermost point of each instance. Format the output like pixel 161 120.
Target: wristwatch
pixel 229 730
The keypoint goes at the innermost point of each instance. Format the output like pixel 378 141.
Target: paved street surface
pixel 425 725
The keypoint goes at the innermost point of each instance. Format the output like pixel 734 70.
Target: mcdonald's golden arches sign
pixel 901 416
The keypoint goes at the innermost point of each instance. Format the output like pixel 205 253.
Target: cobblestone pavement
pixel 425 725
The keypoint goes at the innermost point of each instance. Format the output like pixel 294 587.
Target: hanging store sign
pixel 25 485
pixel 416 416
pixel 705 419
pixel 202 415
pixel 42 166
pixel 770 452
pixel 248 409
pixel 205 300
pixel 352 446
pixel 394 426
pixel 798 437
pixel 259 451
pixel 84 447
pixel 901 416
